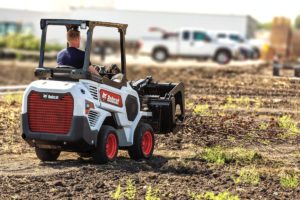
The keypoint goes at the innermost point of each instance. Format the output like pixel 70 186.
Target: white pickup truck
pixel 187 42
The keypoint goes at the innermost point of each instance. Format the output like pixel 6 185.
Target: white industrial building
pixel 139 21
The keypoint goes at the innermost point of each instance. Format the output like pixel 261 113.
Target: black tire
pixel 47 154
pixel 105 153
pixel 160 55
pixel 244 55
pixel 222 57
pixel 136 151
pixel 256 54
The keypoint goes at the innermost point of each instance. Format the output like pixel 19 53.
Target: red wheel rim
pixel 147 142
pixel 111 146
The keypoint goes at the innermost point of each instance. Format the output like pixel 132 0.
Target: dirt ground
pixel 228 107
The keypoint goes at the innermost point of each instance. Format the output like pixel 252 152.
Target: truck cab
pixel 190 43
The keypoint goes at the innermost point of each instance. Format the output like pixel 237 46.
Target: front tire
pixel 143 146
pixel 107 147
pixel 222 57
pixel 160 55
pixel 47 154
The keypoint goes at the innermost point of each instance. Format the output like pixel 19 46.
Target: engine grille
pixel 94 91
pixel 93 117
pixel 50 115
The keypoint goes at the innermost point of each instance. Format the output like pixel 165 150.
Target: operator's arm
pixel 93 70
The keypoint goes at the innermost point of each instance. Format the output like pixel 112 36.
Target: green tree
pixel 264 26
pixel 297 22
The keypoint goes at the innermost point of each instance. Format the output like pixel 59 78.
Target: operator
pixel 72 55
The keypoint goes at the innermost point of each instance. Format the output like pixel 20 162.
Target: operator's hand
pixel 93 70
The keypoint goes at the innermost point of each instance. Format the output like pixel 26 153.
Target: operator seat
pixel 117 78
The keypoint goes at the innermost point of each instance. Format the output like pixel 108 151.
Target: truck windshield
pixel 235 37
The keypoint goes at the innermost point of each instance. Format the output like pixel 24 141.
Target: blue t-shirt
pixel 71 56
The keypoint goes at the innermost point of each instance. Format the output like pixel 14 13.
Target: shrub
pixel 26 42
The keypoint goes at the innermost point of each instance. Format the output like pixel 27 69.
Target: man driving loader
pixel 72 55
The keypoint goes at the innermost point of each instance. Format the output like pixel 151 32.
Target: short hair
pixel 72 34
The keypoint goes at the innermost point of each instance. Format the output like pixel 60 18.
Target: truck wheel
pixel 243 55
pixel 222 57
pixel 256 54
pixel 160 55
pixel 107 147
pixel 47 154
pixel 143 145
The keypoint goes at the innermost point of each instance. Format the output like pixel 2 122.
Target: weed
pixel 13 98
pixel 257 103
pixel 229 103
pixel 203 110
pixel 289 125
pixel 130 190
pixel 212 196
pixel 243 102
pixel 289 180
pixel 117 194
pixel 263 126
pixel 248 175
pixel 221 156
pixel 151 195
pixel 189 104
pixel 241 155
pixel 215 155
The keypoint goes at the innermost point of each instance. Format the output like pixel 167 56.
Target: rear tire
pixel 256 54
pixel 244 55
pixel 143 145
pixel 222 57
pixel 160 55
pixel 107 147
pixel 47 154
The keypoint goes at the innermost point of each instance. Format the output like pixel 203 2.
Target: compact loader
pixel 71 109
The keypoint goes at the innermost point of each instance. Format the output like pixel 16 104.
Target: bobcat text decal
pixel 111 98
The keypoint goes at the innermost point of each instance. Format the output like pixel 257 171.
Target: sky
pixel 261 10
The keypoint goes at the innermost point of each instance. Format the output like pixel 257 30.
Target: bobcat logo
pixel 111 98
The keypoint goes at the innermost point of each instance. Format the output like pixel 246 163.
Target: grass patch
pixel 289 125
pixel 242 102
pixel 219 155
pixel 13 98
pixel 248 175
pixel 203 110
pixel 212 196
pixel 289 180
